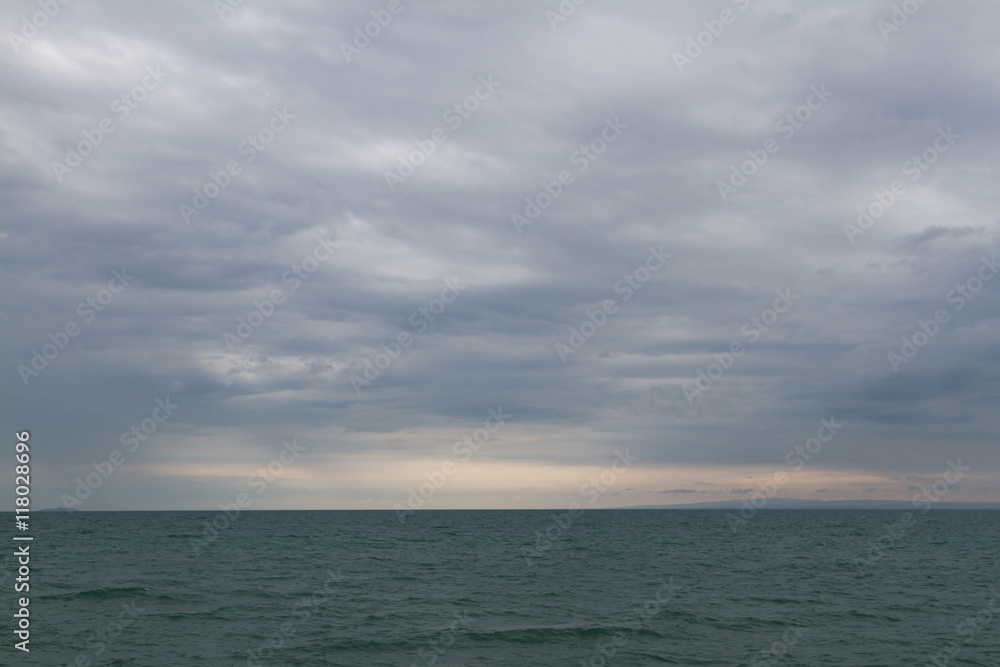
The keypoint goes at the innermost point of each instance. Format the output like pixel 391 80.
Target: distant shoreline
pixel 801 504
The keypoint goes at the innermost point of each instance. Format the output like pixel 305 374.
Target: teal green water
pixel 489 588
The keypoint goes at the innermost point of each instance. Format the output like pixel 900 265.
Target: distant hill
pixel 800 504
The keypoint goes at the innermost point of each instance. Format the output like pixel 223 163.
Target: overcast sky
pixel 471 181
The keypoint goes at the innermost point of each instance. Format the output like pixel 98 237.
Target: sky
pixel 377 255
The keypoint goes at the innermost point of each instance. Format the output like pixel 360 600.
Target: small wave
pixel 541 635
pixel 99 593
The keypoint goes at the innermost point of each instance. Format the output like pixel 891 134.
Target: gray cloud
pixel 64 233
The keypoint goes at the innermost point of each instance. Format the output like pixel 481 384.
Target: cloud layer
pixel 366 241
